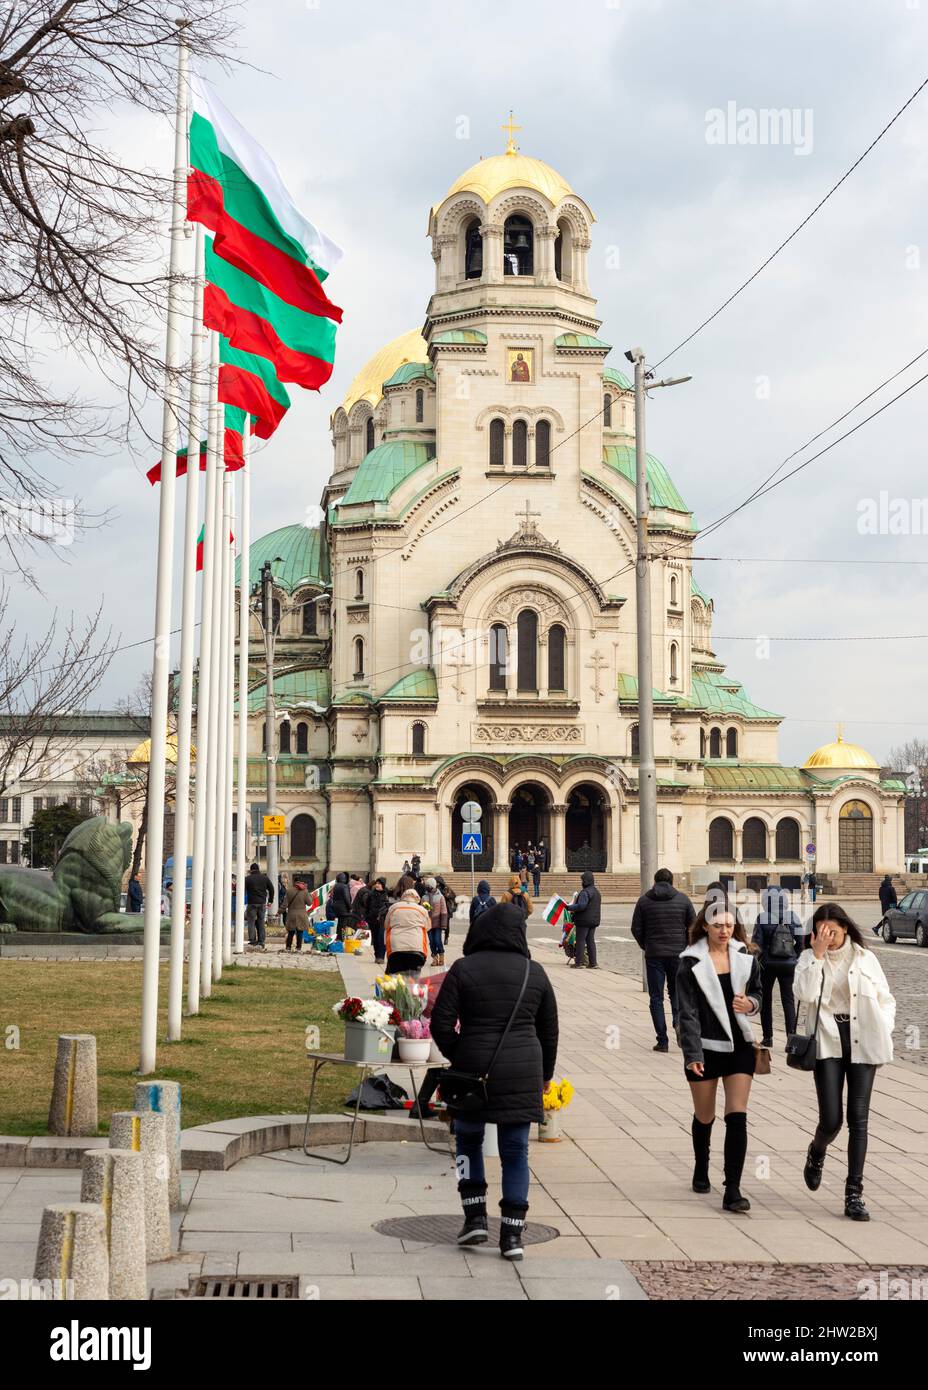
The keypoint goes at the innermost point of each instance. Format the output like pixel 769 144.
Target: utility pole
pixel 270 718
pixel 647 771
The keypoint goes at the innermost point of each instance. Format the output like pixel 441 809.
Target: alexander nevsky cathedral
pixel 461 625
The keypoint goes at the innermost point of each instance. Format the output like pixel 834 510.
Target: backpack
pixel 481 905
pixel 781 943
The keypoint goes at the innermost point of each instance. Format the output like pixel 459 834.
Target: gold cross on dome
pixel 511 128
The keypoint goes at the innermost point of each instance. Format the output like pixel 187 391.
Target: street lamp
pixel 264 611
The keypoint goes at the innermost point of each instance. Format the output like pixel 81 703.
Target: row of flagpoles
pixel 257 316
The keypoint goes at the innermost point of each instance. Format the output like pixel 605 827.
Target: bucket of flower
pixel 369 1029
pixel 555 1099
pixel 409 998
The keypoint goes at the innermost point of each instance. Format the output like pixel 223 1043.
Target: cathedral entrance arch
pixel 474 791
pixel 855 838
pixel 529 816
pixel 585 828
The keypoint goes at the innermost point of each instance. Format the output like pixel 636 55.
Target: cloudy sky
pixel 361 104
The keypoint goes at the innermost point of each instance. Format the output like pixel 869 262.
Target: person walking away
pixel 296 907
pixel 516 893
pixel 853 1015
pixel 718 990
pixel 377 906
pixel 438 921
pixel 536 873
pixel 406 933
pixel 585 913
pixel 496 1017
pixel 134 896
pixel 778 935
pixel 811 884
pixel 660 923
pixel 281 898
pixel 260 892
pixel 451 902
pixel 888 899
pixel 338 906
pixel 482 902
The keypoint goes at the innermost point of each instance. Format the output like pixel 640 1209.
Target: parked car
pixel 908 920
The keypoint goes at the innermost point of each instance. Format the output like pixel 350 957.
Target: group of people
pixel 529 862
pixel 717 980
pixel 409 923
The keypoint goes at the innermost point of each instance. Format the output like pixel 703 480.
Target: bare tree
pixel 913 753
pixel 80 224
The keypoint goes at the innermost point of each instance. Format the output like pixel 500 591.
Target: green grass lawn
pixel 244 1054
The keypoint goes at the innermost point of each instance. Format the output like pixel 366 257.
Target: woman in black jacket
pixel 377 904
pixel 480 991
pixel 718 988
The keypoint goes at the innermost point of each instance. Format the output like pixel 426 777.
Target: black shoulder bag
pixel 801 1048
pixel 461 1090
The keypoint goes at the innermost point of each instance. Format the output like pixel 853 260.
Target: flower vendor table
pixel 335 1059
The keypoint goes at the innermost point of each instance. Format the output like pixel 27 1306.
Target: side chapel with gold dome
pixel 461 626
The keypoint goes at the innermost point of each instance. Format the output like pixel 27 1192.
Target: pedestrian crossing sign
pixel 472 842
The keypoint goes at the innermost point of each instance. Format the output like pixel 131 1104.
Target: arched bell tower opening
pixel 518 246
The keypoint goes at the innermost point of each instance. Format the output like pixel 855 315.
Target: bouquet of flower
pixel 408 997
pixel 374 1012
pixel 415 1028
pixel 558 1096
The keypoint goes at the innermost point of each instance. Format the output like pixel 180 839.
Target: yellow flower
pixel 558 1096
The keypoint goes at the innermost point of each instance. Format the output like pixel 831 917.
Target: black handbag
pixel 801 1049
pixel 464 1092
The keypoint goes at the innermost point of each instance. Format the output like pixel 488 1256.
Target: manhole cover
pixel 269 1286
pixel 443 1230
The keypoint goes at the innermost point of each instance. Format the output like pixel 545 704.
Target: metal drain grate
pixel 443 1230
pixel 265 1286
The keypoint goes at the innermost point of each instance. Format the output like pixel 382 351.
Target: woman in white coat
pixel 854 1036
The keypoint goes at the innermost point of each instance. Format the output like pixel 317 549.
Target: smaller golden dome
pixel 494 175
pixel 846 756
pixel 142 754
pixel 368 384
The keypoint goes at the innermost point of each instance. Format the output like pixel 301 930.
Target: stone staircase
pixel 613 887
pixel 861 885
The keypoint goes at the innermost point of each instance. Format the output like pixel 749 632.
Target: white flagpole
pixel 187 636
pixel 219 672
pixel 151 953
pixel 243 642
pixel 208 614
pixel 230 733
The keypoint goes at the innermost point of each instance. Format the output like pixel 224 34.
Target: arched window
pixel 673 591
pixel 358 658
pixel 607 412
pixel 359 583
pixel 527 630
pixel 674 664
pixel 285 736
pixel 556 663
pixel 302 738
pixel 754 839
pixel 788 838
pixel 499 656
pixel 635 741
pixel 309 619
pixel 303 838
pixel 563 252
pixel 519 444
pixel 420 406
pixel 715 743
pixel 721 839
pixel 370 433
pixel 497 444
pixel 542 444
pixel 702 743
pixel 731 743
pixel 418 740
pixel 473 250
pixel 518 246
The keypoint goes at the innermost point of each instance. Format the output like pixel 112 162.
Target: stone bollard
pixel 115 1179
pixel 164 1098
pixel 73 1110
pixel 72 1254
pixel 143 1132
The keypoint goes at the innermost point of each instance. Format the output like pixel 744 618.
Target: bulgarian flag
pixel 200 547
pixel 320 895
pixel 233 447
pixel 250 382
pixel 555 912
pixel 265 262
pixel 154 474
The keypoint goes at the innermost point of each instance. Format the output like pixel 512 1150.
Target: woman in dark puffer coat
pixel 480 992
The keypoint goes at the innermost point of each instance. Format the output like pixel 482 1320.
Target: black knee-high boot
pixel 702 1135
pixel 736 1148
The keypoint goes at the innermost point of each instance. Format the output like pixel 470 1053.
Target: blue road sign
pixel 472 842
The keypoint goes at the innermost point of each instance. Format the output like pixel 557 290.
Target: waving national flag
pixel 555 910
pixel 154 473
pixel 250 382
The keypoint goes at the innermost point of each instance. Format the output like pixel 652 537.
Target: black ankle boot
pixel 812 1172
pixel 854 1201
pixel 474 1201
pixel 702 1135
pixel 512 1226
pixel 736 1147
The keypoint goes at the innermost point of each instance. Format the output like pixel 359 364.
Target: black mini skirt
pixel 719 1064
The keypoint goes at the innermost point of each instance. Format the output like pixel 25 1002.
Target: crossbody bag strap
pixel 818 1011
pixel 486 1075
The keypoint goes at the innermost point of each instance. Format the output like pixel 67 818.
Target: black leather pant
pixel 831 1073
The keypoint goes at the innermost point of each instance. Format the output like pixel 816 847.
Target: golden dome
pixel 368 384
pixel 491 176
pixel 142 754
pixel 842 755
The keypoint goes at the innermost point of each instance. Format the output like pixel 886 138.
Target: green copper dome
pixel 298 555
pixel 384 468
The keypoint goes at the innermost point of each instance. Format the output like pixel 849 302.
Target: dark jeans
pixel 296 932
pixel 585 945
pixel 513 1154
pixel 536 881
pixel 830 1076
pixel 436 940
pixel 769 977
pixel 255 915
pixel 378 940
pixel 660 969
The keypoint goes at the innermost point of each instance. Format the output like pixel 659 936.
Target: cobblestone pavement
pixel 717 1281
